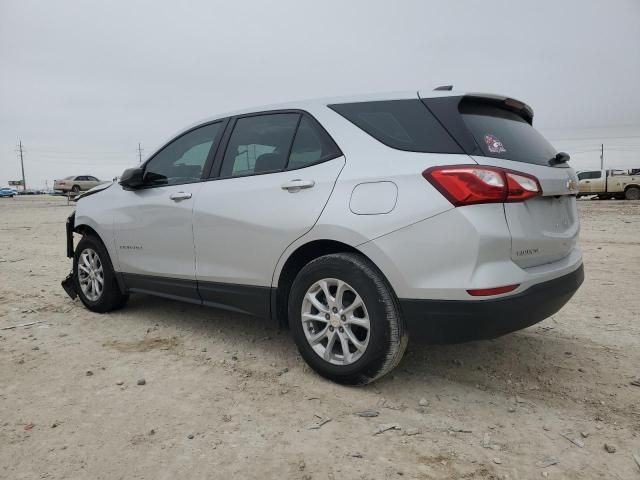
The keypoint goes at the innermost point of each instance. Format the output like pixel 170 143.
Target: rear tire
pixel 632 193
pixel 75 189
pixel 94 278
pixel 374 334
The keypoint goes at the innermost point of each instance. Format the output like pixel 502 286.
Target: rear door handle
pixel 297 185
pixel 176 197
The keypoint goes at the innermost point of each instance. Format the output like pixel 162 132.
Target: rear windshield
pixel 400 124
pixel 501 133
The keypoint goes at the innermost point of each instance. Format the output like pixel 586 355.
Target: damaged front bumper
pixel 68 283
pixel 69 286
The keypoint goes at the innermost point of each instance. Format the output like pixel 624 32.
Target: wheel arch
pixel 86 229
pixel 294 263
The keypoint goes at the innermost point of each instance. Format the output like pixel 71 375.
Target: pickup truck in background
pixel 606 184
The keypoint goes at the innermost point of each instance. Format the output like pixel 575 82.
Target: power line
pixel 86 152
pixel 560 139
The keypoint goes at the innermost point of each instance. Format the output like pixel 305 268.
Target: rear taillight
pixel 473 184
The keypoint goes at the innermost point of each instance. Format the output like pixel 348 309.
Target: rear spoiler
pixel 521 108
pixel 446 110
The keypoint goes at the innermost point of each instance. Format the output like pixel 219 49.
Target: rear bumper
pixel 455 321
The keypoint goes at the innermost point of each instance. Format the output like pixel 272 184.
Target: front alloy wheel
pixel 90 274
pixel 335 321
pixel 94 279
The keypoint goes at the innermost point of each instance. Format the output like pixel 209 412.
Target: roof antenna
pixel 446 88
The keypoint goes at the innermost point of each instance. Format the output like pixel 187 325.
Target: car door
pixel 597 182
pixel 268 188
pixel 153 224
pixel 585 181
pixel 92 182
pixel 81 182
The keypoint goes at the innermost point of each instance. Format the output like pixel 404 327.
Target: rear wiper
pixel 561 157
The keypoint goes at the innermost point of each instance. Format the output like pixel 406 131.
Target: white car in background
pixel 356 222
pixel 76 183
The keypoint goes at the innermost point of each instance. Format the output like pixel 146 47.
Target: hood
pixel 96 189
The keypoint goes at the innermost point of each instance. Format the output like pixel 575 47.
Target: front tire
pixel 94 278
pixel 346 320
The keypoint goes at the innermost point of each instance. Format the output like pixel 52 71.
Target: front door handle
pixel 297 185
pixel 176 197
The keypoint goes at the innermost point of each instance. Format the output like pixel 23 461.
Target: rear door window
pixel 501 133
pixel 259 144
pixel 400 124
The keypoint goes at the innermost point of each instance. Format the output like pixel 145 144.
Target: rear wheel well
pixel 298 259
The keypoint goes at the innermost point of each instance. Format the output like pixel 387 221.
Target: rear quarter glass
pixel 501 133
pixel 400 124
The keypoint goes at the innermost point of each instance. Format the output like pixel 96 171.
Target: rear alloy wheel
pixel 335 321
pixel 346 320
pixel 75 189
pixel 632 193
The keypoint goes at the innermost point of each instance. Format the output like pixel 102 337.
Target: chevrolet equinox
pixel 355 222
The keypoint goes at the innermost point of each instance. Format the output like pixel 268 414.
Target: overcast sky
pixel 82 82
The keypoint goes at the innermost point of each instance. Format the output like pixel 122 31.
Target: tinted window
pixel 259 144
pixel 311 145
pixel 501 133
pixel 81 178
pixel 183 159
pixel 401 124
pixel 589 175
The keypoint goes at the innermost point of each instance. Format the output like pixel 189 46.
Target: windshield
pixel 501 133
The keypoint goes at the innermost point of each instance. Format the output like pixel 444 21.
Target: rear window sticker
pixel 493 144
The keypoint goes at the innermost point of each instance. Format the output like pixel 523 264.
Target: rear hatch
pixel 497 131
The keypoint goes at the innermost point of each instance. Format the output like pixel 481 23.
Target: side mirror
pixel 132 178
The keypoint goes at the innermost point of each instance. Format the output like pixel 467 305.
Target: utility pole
pixel 602 156
pixel 24 182
pixel 139 153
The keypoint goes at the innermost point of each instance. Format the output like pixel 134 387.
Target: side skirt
pixel 245 299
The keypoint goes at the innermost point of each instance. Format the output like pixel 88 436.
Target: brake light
pixel 484 292
pixel 473 184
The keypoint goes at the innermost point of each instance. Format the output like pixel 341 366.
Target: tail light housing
pixel 474 184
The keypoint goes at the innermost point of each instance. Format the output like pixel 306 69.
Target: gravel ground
pixel 226 397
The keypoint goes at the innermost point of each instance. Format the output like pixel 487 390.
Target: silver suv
pixel 355 222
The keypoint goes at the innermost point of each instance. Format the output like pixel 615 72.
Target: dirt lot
pixel 226 397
